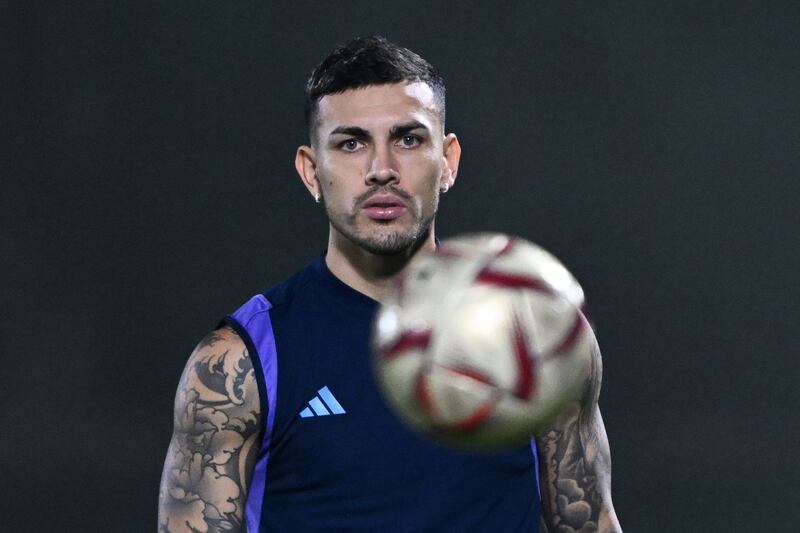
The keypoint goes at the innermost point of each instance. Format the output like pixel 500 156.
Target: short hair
pixel 369 61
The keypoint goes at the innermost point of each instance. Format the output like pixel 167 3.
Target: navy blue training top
pixel 333 457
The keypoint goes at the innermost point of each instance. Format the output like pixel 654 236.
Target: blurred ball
pixel 482 342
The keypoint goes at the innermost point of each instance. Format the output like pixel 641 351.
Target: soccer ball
pixel 482 342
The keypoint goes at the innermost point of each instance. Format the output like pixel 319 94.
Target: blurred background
pixel 148 189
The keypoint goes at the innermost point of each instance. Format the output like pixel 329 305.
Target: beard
pixel 385 239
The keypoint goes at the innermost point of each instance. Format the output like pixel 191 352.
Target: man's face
pixel 379 158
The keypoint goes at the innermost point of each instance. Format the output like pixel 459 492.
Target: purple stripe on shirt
pixel 536 465
pixel 254 318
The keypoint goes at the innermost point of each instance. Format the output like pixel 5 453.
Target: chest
pixel 330 416
pixel 333 427
pixel 339 459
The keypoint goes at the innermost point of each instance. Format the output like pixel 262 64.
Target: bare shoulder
pixel 220 373
pixel 215 438
pixel 221 353
pixel 222 338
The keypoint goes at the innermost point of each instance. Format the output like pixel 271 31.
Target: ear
pixel 451 155
pixel 305 163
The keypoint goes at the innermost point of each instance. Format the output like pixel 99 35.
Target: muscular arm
pixel 575 466
pixel 214 442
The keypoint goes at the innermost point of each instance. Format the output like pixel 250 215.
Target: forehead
pixel 378 105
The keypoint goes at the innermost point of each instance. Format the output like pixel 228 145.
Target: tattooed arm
pixel 575 466
pixel 214 441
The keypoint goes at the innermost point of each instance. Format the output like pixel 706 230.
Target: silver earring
pixel 316 198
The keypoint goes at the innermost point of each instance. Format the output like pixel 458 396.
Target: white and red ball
pixel 483 341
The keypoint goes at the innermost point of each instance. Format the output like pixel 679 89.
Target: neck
pixel 369 273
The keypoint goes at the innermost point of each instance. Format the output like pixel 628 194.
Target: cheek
pixel 340 172
pixel 431 174
pixel 326 177
pixel 425 166
pixel 335 190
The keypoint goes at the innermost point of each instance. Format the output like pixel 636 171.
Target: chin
pixel 393 242
pixel 388 238
pixel 391 245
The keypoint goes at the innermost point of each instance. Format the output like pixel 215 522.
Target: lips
pixel 384 207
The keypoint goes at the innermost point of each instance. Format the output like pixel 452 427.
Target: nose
pixel 382 168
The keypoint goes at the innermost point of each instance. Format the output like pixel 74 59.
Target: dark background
pixel 148 189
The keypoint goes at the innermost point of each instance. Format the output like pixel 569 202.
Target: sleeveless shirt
pixel 333 457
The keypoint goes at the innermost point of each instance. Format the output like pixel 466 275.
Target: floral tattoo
pixel 214 443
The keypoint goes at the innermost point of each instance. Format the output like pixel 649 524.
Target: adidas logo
pixel 323 404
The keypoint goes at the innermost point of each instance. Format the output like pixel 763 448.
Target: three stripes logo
pixel 323 404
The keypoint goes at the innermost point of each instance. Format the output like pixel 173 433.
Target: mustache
pixel 361 199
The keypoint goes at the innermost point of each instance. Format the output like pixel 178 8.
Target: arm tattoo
pixel 213 448
pixel 575 467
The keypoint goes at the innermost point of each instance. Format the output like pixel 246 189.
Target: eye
pixel 351 145
pixel 410 141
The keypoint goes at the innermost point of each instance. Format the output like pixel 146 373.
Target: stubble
pixel 384 238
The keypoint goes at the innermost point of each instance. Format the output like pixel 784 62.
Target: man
pixel 278 422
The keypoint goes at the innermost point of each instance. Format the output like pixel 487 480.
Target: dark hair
pixel 369 61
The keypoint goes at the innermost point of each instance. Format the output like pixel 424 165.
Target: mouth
pixel 384 207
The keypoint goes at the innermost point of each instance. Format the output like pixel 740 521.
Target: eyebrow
pixel 355 131
pixel 401 129
pixel 396 131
